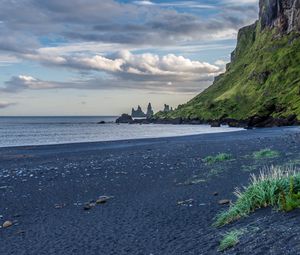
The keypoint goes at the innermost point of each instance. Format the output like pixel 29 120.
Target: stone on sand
pixel 224 202
pixel 7 224
pixel 88 206
pixel 102 199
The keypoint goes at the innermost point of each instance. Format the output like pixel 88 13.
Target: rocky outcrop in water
pixel 124 118
pixel 150 111
pixel 138 113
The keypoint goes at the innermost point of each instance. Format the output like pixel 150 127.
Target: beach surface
pixel 163 196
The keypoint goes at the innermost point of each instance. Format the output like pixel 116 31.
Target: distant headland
pixel 141 117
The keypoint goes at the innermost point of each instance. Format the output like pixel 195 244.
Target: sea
pixel 21 131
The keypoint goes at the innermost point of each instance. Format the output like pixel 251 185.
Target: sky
pixel 103 57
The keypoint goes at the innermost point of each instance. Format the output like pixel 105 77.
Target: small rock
pixel 59 206
pixel 88 206
pixel 215 124
pixel 102 199
pixel 215 194
pixel 224 202
pixel 7 224
pixel 185 202
pixel 20 232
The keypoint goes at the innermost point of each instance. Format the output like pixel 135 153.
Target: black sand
pixel 43 190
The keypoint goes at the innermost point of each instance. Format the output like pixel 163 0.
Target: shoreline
pixel 256 121
pixel 213 131
pixel 161 190
pixel 258 131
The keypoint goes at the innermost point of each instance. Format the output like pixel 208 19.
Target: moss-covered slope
pixel 263 79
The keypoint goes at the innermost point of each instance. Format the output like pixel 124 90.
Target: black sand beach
pixel 43 190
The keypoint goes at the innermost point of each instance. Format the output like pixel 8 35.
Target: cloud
pixel 6 60
pixel 124 70
pixel 4 104
pixel 26 82
pixel 81 36
pixel 181 4
pixel 143 67
pixel 221 62
pixel 241 2
pixel 25 22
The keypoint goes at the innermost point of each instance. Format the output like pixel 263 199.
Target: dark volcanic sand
pixel 147 178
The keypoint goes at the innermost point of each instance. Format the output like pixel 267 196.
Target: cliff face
pixel 263 78
pixel 282 14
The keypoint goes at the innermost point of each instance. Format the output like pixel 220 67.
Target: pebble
pixel 87 206
pixel 102 199
pixel 7 224
pixel 224 202
pixel 20 232
pixel 59 206
pixel 185 202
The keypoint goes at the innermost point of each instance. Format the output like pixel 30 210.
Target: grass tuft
pixel 230 239
pixel 290 201
pixel 265 153
pixel 264 190
pixel 218 158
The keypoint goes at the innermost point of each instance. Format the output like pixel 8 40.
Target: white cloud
pixel 4 104
pixel 26 78
pixel 221 62
pixel 240 2
pixel 144 3
pixel 145 66
pixel 183 4
pixel 6 60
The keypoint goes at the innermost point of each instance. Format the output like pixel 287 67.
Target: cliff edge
pixel 261 86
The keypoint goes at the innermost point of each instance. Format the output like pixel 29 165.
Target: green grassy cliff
pixel 263 79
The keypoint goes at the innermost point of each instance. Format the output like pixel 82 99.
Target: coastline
pixel 255 121
pixel 18 134
pixel 44 189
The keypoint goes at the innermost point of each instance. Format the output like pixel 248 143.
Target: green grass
pixel 265 153
pixel 230 239
pixel 218 158
pixel 265 190
pixel 291 200
pixel 250 168
pixel 263 79
pixel 215 172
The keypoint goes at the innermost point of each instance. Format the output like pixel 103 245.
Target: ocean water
pixel 19 131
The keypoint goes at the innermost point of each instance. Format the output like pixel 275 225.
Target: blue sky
pixel 91 57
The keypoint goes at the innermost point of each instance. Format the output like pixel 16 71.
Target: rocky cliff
pixel 281 14
pixel 261 85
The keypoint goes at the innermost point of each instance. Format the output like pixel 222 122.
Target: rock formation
pixel 125 118
pixel 150 112
pixel 166 108
pixel 138 113
pixel 282 14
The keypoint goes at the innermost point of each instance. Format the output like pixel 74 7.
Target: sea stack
pixel 150 111
pixel 138 113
